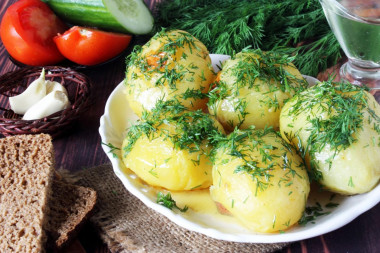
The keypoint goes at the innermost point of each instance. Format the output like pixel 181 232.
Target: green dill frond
pixel 228 26
pixel 316 55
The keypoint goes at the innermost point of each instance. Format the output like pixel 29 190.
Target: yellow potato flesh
pixel 276 206
pixel 353 170
pixel 263 101
pixel 184 67
pixel 159 159
pixel 159 163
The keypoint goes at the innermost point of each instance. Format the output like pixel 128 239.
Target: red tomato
pixel 27 31
pixel 90 46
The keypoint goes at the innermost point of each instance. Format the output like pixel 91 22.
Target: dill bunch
pixel 295 27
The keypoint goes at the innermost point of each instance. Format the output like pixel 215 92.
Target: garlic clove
pixel 53 102
pixel 53 86
pixel 35 92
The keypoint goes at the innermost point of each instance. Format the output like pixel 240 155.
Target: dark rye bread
pixel 69 207
pixel 26 174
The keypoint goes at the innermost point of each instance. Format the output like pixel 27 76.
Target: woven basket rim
pixel 55 124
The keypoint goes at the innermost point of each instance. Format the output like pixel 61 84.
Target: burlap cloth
pixel 126 225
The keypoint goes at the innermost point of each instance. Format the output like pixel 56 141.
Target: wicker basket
pixel 13 83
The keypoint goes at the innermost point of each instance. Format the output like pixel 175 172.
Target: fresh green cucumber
pixel 131 16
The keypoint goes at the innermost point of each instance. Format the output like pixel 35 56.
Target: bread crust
pixel 70 206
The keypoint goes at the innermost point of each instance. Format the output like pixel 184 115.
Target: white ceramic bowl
pixel 113 124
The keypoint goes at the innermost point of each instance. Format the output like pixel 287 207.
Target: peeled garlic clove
pixel 35 92
pixel 53 86
pixel 53 102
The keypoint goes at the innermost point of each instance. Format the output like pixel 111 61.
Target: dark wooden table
pixel 81 148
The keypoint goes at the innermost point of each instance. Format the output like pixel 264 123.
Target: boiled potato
pixel 337 128
pixel 260 180
pixel 251 89
pixel 171 150
pixel 173 64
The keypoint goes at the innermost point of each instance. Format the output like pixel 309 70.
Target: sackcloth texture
pixel 125 224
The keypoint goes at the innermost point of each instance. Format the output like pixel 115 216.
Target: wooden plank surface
pixel 81 148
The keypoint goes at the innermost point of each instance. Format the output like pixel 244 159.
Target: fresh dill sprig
pixel 169 202
pixel 228 26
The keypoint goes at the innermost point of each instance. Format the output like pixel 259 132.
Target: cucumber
pixel 127 16
pixel 131 14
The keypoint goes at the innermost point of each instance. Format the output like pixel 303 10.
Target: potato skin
pixel 173 64
pixel 352 168
pixel 171 150
pixel 269 197
pixel 251 90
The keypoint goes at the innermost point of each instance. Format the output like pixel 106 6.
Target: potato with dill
pixel 172 65
pixel 260 180
pixel 336 127
pixel 170 147
pixel 251 89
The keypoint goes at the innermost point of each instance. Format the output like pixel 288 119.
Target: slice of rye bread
pixel 26 175
pixel 70 205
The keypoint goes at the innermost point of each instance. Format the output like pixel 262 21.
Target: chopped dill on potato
pixel 256 64
pixel 240 144
pixel 253 172
pixel 170 146
pixel 191 128
pixel 193 93
pixel 156 63
pixel 345 104
pixel 252 87
pixel 173 64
